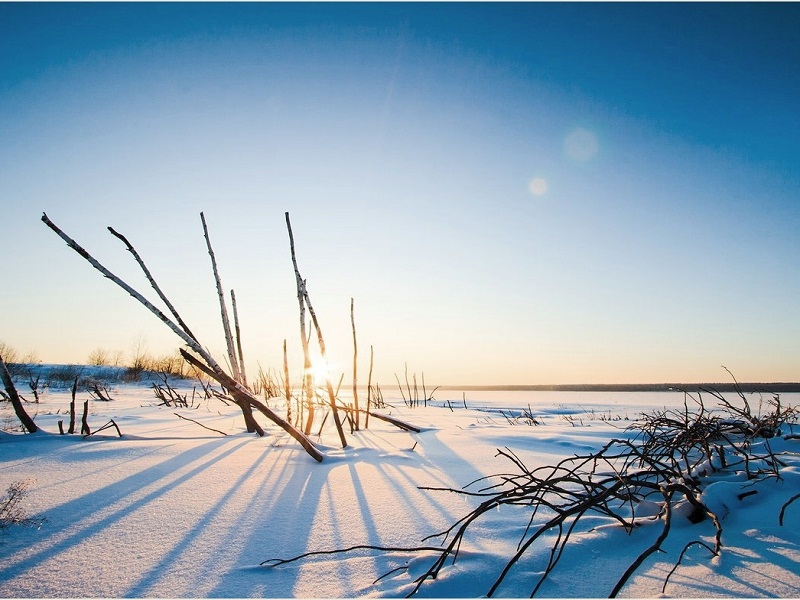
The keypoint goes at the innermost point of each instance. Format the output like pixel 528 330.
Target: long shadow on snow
pixel 81 510
pixel 312 492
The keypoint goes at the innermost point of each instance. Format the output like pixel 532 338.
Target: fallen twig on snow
pixel 198 423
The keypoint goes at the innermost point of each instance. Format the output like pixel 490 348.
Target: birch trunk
pixel 226 325
pixel 242 374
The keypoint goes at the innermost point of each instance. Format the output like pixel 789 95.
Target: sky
pixel 516 193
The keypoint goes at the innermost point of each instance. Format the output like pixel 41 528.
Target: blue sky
pixel 512 193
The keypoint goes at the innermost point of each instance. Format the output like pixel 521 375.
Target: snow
pixel 171 509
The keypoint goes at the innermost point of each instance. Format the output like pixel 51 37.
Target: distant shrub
pixel 98 357
pixel 9 354
pixel 144 363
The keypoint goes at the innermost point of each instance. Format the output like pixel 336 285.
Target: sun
pixel 320 371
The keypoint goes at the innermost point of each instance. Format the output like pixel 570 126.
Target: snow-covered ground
pixel 171 509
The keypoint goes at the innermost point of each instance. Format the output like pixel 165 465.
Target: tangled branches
pixel 610 482
pixel 662 462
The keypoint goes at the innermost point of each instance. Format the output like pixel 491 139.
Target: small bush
pixel 11 511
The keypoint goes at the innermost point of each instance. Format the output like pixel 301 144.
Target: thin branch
pixel 226 326
pixel 242 374
pixel 201 425
pixel 152 281
pixel 276 562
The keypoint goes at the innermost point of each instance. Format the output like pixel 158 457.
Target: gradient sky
pixel 513 193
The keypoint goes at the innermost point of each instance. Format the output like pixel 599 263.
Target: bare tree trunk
pixel 304 290
pixel 243 378
pixel 16 402
pixel 355 365
pixel 226 325
pixel 308 378
pixel 85 419
pixel 369 389
pixel 286 387
pixel 244 398
pixel 71 429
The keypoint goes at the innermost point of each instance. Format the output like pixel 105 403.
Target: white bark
pixel 226 325
pixel 242 374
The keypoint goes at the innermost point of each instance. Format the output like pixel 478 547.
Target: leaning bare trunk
pixel 16 402
pixel 241 396
pixel 244 399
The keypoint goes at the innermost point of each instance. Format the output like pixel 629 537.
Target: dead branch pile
pixel 665 461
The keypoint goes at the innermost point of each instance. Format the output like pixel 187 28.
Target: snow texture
pixel 171 509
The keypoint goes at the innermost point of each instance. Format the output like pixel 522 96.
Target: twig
pixel 680 559
pixel 111 423
pixel 785 506
pixel 277 562
pixel 198 423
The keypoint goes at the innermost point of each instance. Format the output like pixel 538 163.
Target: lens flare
pixel 581 144
pixel 538 186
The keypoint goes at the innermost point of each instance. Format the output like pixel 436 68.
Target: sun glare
pixel 320 371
